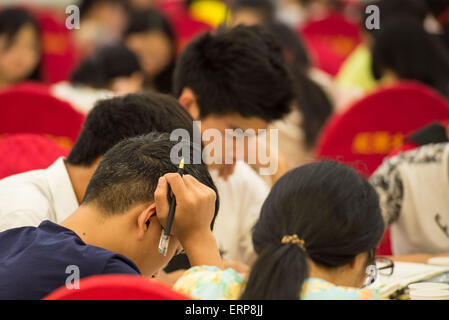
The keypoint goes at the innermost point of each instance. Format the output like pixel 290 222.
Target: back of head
pixel 118 118
pixel 109 63
pixel 238 71
pixel 328 206
pixel 129 172
pixel 405 48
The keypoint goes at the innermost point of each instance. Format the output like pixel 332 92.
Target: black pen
pixel 165 236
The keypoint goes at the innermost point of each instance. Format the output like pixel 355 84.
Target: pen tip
pixel 181 164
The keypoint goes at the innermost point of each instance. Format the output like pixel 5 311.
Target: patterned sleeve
pixel 388 183
pixel 210 283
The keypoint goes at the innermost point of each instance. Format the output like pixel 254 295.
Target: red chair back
pixel 59 51
pixel 330 41
pixel 30 111
pixel 27 152
pixel 377 124
pixel 117 287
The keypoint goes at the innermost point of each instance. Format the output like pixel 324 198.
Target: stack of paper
pixel 404 274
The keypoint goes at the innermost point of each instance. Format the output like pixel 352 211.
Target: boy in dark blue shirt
pixel 118 225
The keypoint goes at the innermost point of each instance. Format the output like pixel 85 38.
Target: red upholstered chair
pixel 331 40
pixel 376 125
pixel 29 111
pixel 59 51
pixel 185 27
pixel 117 287
pixel 25 152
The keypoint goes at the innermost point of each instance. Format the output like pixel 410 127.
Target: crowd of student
pixel 309 230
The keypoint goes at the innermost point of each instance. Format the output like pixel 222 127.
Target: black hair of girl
pixel 404 47
pixel 314 104
pixel 329 206
pixel 108 63
pixel 11 21
pixel 152 20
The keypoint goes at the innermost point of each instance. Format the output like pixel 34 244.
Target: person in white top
pixel 29 198
pixel 235 83
pixel 413 190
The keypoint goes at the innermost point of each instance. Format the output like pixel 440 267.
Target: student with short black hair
pixel 20 47
pixel 117 228
pixel 236 79
pixel 52 194
pixel 316 239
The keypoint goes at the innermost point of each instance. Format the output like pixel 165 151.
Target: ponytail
pixel 278 274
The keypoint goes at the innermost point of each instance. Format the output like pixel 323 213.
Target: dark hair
pixel 118 118
pixel 404 47
pixel 128 173
pixel 109 63
pixel 265 8
pixel 290 43
pixel 86 5
pixel 329 206
pixel 390 9
pixel 240 70
pixel 152 20
pixel 11 21
pixel 314 105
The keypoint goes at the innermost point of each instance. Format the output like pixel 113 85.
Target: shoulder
pixel 319 289
pixel 119 264
pixel 210 283
pixel 24 198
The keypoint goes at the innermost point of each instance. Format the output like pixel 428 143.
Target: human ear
pixel 189 102
pixel 143 220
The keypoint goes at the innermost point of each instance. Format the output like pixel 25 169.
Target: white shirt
pixel 241 198
pixel 413 190
pixel 29 198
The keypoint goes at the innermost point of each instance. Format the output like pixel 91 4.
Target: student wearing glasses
pixel 315 239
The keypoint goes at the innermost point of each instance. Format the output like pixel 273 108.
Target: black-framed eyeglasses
pixel 379 265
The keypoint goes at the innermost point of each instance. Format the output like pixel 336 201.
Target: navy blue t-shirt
pixel 34 261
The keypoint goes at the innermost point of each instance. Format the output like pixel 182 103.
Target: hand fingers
pixel 177 185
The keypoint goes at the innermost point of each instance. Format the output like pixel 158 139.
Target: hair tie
pixel 295 240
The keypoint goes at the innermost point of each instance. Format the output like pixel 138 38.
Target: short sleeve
pixel 120 265
pixel 210 283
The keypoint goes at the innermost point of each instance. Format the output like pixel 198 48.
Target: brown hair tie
pixel 295 240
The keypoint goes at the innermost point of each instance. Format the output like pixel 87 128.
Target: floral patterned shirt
pixel 212 283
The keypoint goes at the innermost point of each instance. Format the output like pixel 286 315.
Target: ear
pixel 189 102
pixel 143 220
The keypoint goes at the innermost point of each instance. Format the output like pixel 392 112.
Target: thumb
pixel 160 198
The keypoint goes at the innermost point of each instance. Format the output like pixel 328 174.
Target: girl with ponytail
pixel 315 238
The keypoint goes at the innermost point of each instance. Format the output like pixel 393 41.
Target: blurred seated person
pixel 102 23
pixel 113 70
pixel 316 239
pixel 356 71
pixel 116 229
pixel 52 194
pixel 403 50
pixel 20 47
pixel 150 36
pixel 413 190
